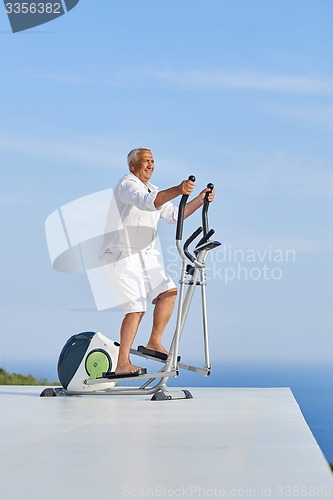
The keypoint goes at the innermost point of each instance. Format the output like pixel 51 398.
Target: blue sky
pixel 238 93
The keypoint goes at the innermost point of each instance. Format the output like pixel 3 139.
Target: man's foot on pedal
pixel 157 347
pixel 113 375
pixel 124 371
pixel 160 355
pixel 129 369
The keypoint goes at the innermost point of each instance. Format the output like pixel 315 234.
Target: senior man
pixel 137 273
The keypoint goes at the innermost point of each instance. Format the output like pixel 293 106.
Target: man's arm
pixel 185 187
pixel 197 202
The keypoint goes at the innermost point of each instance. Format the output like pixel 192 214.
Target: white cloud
pixel 271 243
pixel 85 151
pixel 17 198
pixel 322 115
pixel 241 80
pixel 69 79
pixel 275 174
pixel 205 79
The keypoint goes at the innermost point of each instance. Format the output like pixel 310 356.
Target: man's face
pixel 143 167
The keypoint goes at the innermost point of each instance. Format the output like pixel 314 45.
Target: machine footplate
pixel 113 375
pixel 160 356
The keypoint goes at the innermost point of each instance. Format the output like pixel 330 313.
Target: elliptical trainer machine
pixel 86 361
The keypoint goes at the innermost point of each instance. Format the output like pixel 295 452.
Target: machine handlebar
pixel 205 210
pixel 189 241
pixel 181 208
pixel 207 233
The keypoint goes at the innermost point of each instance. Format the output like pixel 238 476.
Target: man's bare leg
pixel 128 330
pixel 162 313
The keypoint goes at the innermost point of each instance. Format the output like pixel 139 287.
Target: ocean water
pixel 311 384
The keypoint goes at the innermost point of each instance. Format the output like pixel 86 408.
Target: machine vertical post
pixel 204 319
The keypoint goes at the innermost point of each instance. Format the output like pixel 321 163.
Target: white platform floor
pixel 223 443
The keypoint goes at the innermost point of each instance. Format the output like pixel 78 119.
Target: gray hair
pixel 133 155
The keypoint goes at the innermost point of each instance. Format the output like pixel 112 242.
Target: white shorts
pixel 136 278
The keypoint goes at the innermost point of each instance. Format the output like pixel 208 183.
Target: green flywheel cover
pixel 97 362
